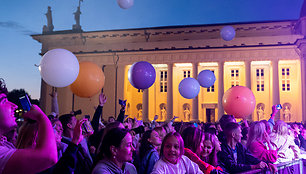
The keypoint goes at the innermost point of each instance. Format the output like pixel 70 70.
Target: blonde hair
pixel 27 135
pixel 281 128
pixel 256 132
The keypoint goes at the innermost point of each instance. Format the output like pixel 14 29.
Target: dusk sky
pixel 19 19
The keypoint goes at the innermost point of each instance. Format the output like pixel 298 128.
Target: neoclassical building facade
pixel 267 57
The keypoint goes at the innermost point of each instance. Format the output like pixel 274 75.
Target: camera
pixel 78 112
pixel 25 102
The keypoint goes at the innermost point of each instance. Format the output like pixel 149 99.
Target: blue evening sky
pixel 21 18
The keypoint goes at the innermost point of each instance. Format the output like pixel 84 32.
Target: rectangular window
pixel 235 77
pixel 260 79
pixel 212 88
pixel 163 81
pixel 286 79
pixel 187 73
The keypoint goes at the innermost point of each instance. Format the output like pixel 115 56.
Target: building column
pixel 145 105
pixel 170 92
pixel 302 47
pixel 275 86
pixel 248 73
pixel 220 88
pixel 248 79
pixel 195 101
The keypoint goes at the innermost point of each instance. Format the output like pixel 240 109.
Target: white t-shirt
pixel 184 166
pixel 7 149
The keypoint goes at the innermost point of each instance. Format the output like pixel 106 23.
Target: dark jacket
pixel 244 159
pixel 84 162
pixel 67 163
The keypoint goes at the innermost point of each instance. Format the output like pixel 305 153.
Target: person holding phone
pixel 35 160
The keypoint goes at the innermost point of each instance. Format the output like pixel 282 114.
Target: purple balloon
pixel 189 88
pixel 228 33
pixel 142 75
pixel 206 78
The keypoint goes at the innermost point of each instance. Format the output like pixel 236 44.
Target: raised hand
pixel 35 113
pixel 77 132
pixel 102 99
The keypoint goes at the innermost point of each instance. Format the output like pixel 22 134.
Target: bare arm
pixel 43 156
pixel 54 103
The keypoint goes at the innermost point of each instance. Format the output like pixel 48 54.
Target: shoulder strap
pixel 147 164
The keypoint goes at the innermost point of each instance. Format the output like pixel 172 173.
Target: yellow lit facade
pixel 266 57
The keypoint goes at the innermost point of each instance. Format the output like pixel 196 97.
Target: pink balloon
pixel 239 101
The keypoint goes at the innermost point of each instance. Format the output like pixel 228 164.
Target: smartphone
pixel 195 124
pixel 25 102
pixel 279 107
pixel 122 102
pixel 87 128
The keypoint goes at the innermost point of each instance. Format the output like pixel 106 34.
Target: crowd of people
pixel 57 144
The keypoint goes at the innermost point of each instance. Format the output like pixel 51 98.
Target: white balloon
pixel 125 4
pixel 59 67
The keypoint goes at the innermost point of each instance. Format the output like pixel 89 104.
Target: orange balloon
pixel 89 82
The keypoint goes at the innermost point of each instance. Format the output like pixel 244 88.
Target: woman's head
pixel 210 148
pixel 117 145
pixel 161 132
pixel 281 128
pixel 193 139
pixel 257 132
pixel 109 126
pixel 172 147
pixel 149 140
pixel 58 130
pixel 267 124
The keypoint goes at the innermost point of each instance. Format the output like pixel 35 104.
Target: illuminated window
pixel 212 88
pixel 285 79
pixel 163 81
pixel 187 74
pixel 235 77
pixel 260 79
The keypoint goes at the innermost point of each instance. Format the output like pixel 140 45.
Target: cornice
pixel 171 38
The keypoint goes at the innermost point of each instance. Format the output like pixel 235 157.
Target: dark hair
pixel 225 119
pixel 139 130
pixel 3 88
pixel 145 145
pixel 179 139
pixel 192 137
pixel 230 127
pixel 244 133
pixel 112 138
pixel 65 119
pixel 108 127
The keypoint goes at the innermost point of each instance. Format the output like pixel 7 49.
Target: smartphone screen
pixel 279 106
pixel 25 103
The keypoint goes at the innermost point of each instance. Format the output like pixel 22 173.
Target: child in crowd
pixel 195 148
pixel 172 159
